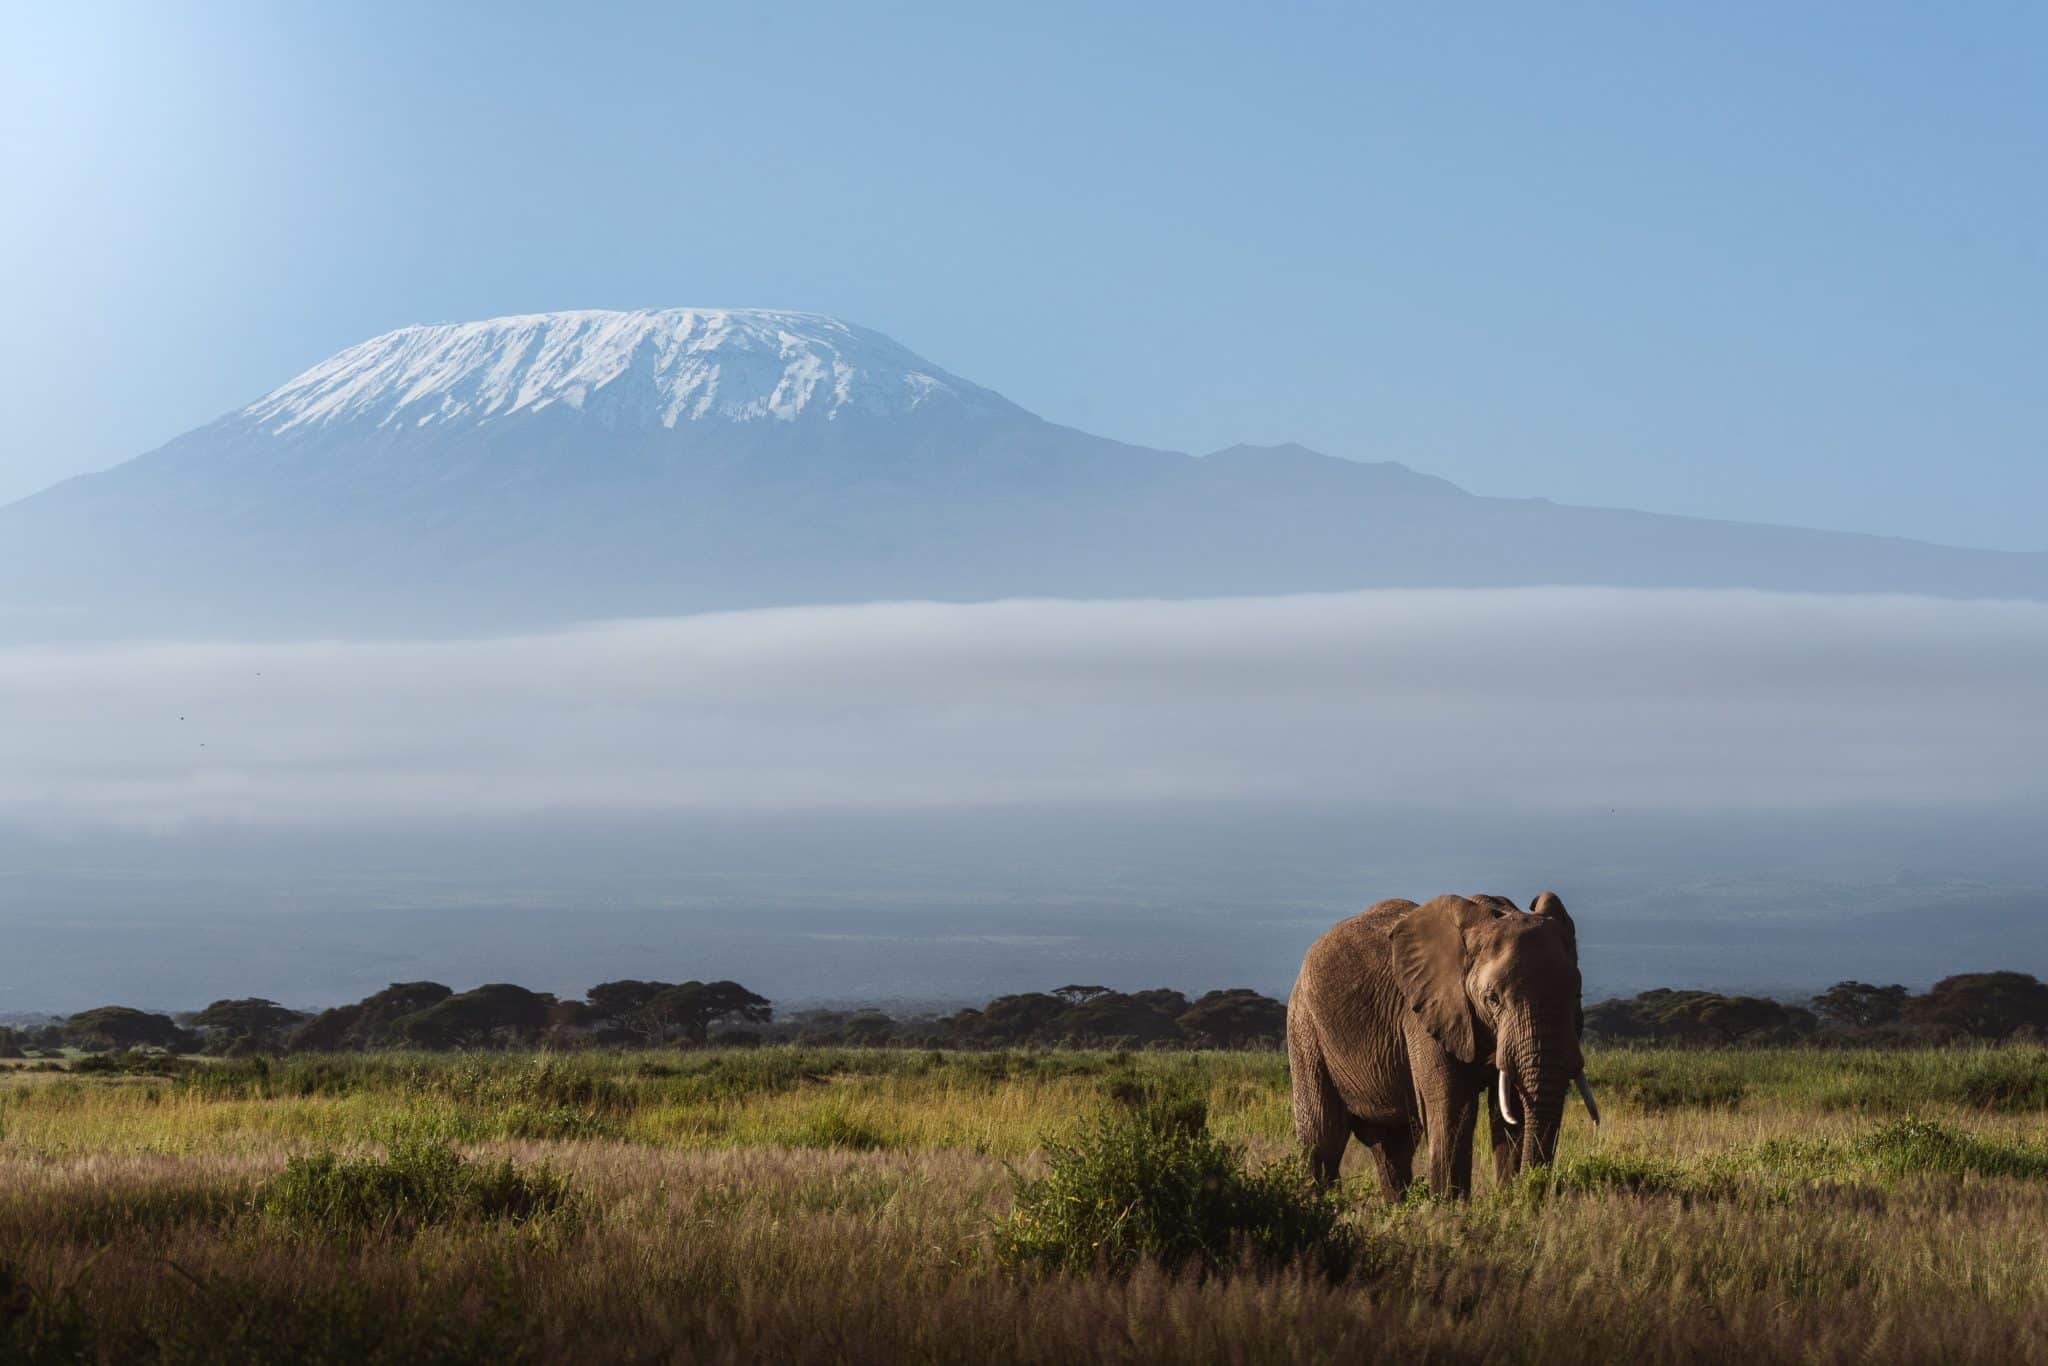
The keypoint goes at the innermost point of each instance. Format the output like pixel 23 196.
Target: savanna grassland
pixel 857 1205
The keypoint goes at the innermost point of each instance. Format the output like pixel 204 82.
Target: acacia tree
pixel 368 1023
pixel 107 1027
pixel 627 1006
pixel 251 1018
pixel 1859 1005
pixel 1234 1018
pixel 497 1012
pixel 693 1007
pixel 1984 1005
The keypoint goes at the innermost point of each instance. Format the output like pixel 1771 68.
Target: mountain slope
pixel 533 470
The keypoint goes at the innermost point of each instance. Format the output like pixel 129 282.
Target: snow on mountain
pixel 530 471
pixel 644 369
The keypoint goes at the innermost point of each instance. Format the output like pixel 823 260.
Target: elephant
pixel 1407 1018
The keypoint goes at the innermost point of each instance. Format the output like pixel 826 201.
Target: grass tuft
pixel 417 1185
pixel 1914 1147
pixel 834 1128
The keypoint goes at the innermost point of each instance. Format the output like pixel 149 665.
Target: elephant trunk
pixel 1539 1065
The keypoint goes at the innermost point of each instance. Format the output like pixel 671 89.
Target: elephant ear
pixel 1549 906
pixel 1429 966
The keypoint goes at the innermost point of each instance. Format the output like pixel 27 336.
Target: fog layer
pixel 1544 698
pixel 936 803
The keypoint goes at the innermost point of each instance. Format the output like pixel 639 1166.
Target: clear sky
pixel 1782 263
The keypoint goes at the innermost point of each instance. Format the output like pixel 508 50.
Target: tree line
pixel 641 1013
pixel 647 1014
pixel 1968 1006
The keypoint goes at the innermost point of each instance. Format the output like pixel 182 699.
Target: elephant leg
pixel 1450 1129
pixel 1321 1123
pixel 1507 1143
pixel 1393 1156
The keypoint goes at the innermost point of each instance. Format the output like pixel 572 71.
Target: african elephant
pixel 1406 1019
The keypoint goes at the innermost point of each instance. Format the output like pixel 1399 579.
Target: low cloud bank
pixel 1555 698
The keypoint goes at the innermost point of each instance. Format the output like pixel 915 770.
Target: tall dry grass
pixel 813 1206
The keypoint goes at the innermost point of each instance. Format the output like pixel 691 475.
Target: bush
pixel 418 1184
pixel 43 1321
pixel 1656 1090
pixel 133 1063
pixel 1139 1185
pixel 554 1123
pixel 2013 1080
pixel 1167 1103
pixel 836 1129
pixel 1911 1147
pixel 1607 1172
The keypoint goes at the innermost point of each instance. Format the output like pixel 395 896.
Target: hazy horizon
pixel 840 803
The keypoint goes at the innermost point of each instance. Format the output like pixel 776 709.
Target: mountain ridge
pixel 538 469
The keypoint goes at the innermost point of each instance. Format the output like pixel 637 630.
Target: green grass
pixel 417 1185
pixel 845 1204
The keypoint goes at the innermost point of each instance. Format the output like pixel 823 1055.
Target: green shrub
pixel 416 1185
pixel 2012 1080
pixel 1136 1186
pixel 1910 1147
pixel 42 1321
pixel 1167 1103
pixel 836 1129
pixel 554 1123
pixel 1800 1160
pixel 1669 1084
pixel 1611 1172
pixel 134 1062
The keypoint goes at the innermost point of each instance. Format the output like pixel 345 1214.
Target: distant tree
pixel 965 1028
pixel 618 1000
pixel 1236 1018
pixel 1114 1017
pixel 1025 1017
pixel 1079 995
pixel 250 1020
pixel 1665 1015
pixel 1733 1019
pixel 1618 1020
pixel 625 1011
pixel 12 1042
pixel 568 1021
pixel 1163 999
pixel 1859 1005
pixel 497 1012
pixel 869 1029
pixel 113 1027
pixel 695 1007
pixel 368 1023
pixel 1983 1005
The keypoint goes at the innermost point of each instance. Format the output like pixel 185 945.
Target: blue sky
pixel 1754 261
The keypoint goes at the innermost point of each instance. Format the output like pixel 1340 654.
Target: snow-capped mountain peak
pixel 653 367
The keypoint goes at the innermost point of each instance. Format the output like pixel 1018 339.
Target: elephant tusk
pixel 1586 1094
pixel 1506 1111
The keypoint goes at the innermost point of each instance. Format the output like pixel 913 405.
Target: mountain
pixel 620 371
pixel 532 470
